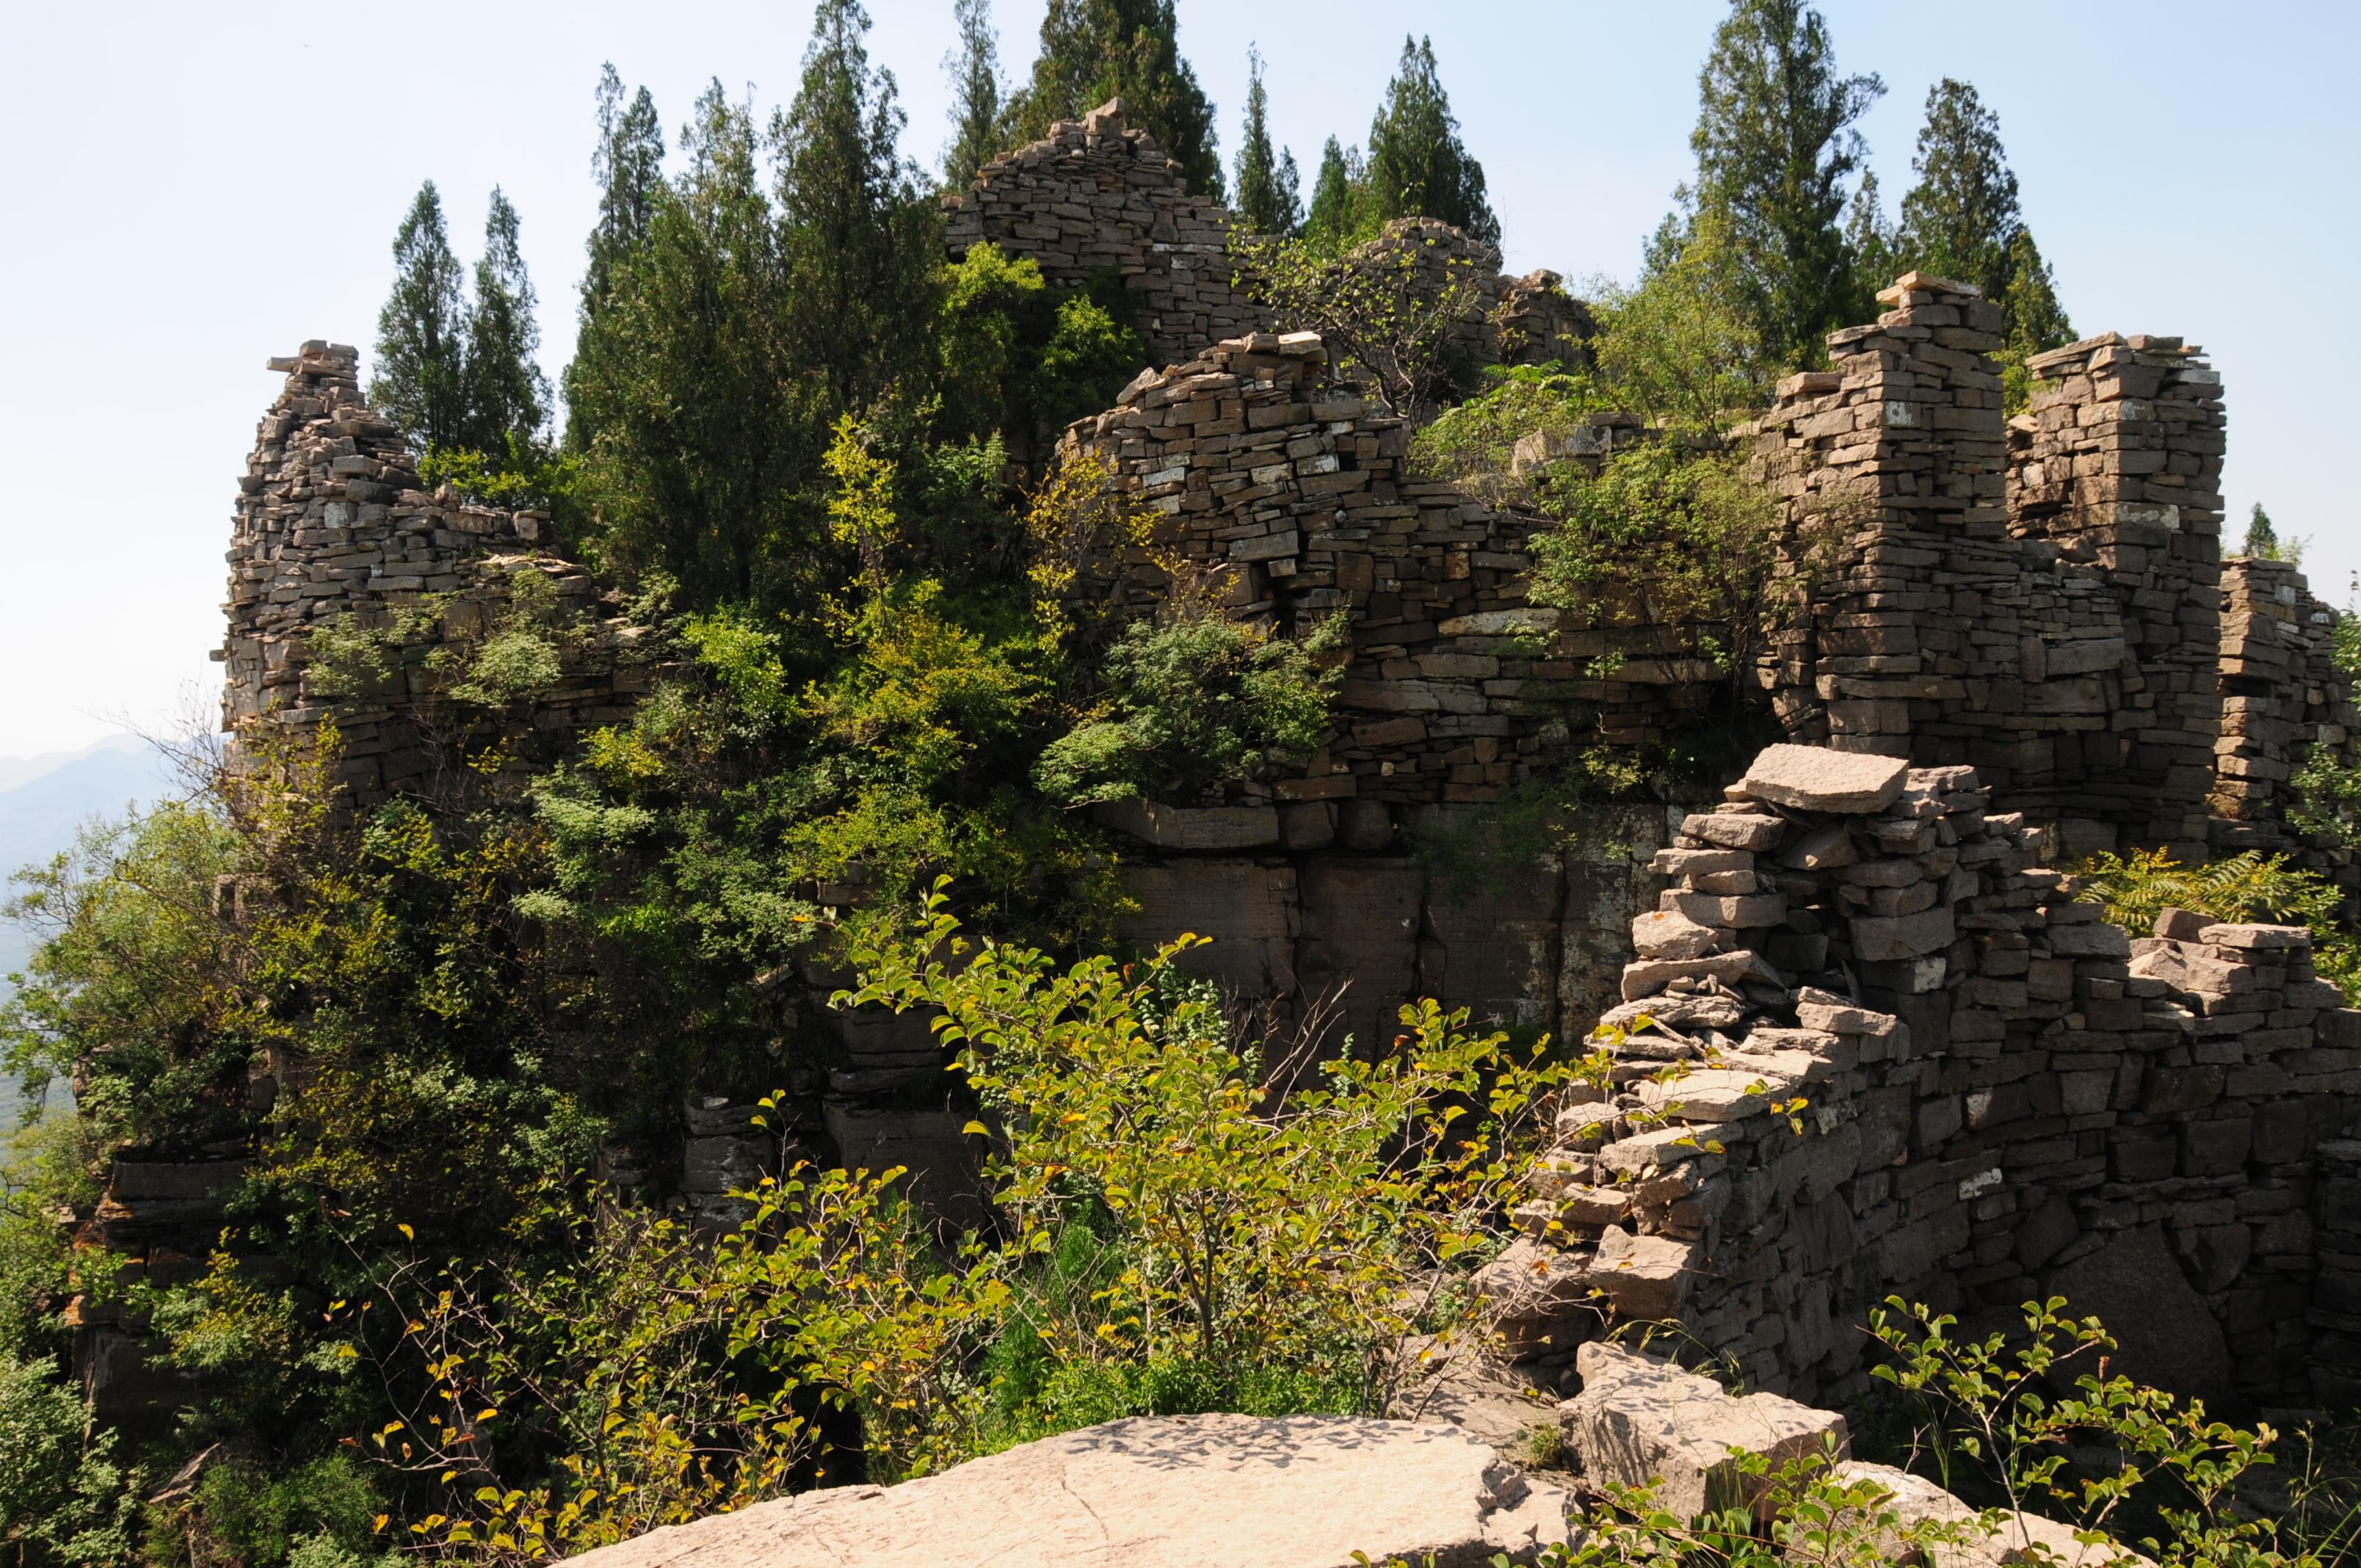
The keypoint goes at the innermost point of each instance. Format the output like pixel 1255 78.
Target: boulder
pixel 1295 1492
pixel 1809 778
pixel 1669 934
pixel 1640 1420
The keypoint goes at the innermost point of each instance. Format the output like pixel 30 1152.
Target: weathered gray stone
pixel 1812 778
pixel 1154 1492
pixel 1638 1419
pixel 2166 1335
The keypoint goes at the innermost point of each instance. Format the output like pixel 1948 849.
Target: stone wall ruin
pixel 2023 628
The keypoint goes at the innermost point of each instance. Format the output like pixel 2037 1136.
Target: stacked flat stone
pixel 2119 461
pixel 333 527
pixel 2281 695
pixel 1097 198
pixel 1280 477
pixel 2045 610
pixel 1869 1047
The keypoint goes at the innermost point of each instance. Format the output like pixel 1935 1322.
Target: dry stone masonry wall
pixel 336 534
pixel 1870 1046
pixel 1099 198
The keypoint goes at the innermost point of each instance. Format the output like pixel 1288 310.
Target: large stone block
pixel 1360 943
pixel 1639 1420
pixel 1217 1491
pixel 1810 778
pixel 2166 1335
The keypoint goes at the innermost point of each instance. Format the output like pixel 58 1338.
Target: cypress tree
pixel 1962 220
pixel 1958 220
pixel 859 241
pixel 1775 150
pixel 1872 249
pixel 703 437
pixel 2262 535
pixel 418 381
pixel 629 167
pixel 1093 51
pixel 507 393
pixel 1268 198
pixel 973 69
pixel 1418 166
pixel 1334 221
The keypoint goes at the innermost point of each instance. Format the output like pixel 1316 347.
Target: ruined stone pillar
pixel 2119 463
pixel 1891 460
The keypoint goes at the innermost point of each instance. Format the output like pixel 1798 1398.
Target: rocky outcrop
pixel 1171 1492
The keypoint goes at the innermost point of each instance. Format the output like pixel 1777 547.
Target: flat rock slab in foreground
pixel 1153 1492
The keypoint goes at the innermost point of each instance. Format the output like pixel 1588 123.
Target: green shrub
pixel 1194 703
pixel 2249 886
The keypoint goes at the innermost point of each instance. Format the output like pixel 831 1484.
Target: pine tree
pixel 1334 222
pixel 859 241
pixel 2262 537
pixel 1093 51
pixel 1268 198
pixel 1775 150
pixel 703 435
pixel 1418 166
pixel 1962 220
pixel 507 393
pixel 977 91
pixel 629 167
pixel 1958 220
pixel 420 378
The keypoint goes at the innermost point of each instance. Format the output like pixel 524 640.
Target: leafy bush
pixel 59 1489
pixel 2033 1421
pixel 1267 1237
pixel 1383 324
pixel 2249 886
pixel 1667 535
pixel 1473 443
pixel 1195 702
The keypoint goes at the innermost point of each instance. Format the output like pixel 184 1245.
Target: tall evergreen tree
pixel 859 241
pixel 507 393
pixel 977 92
pixel 2262 535
pixel 1962 220
pixel 703 428
pixel 419 379
pixel 1418 166
pixel 1775 151
pixel 1093 51
pixel 1268 198
pixel 1872 249
pixel 1958 220
pixel 628 164
pixel 1334 221
pixel 629 167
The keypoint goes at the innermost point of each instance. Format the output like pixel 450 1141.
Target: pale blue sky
pixel 198 186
